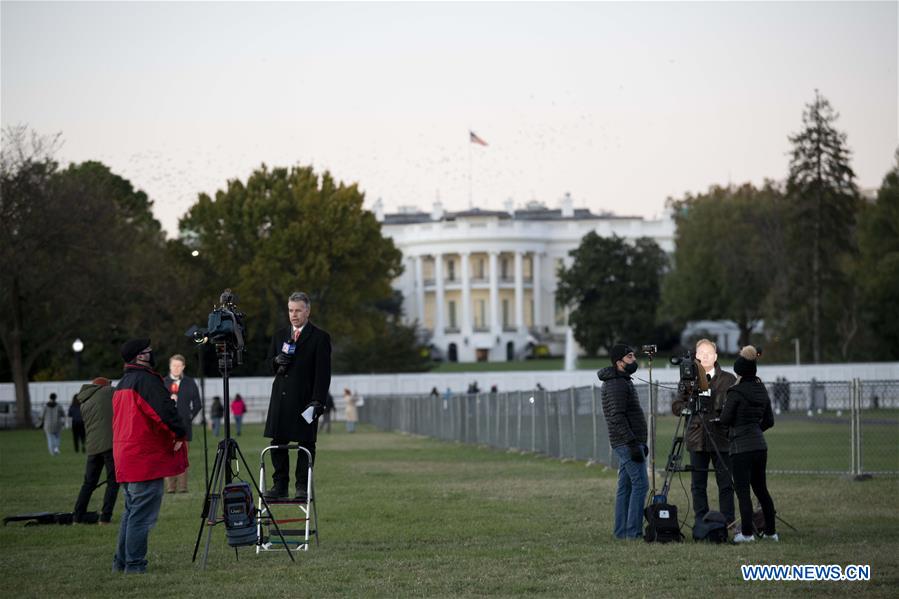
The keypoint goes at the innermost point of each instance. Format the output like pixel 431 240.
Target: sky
pixel 622 105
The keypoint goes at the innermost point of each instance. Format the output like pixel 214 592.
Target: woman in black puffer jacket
pixel 747 411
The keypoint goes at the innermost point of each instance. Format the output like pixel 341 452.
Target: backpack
pixel 661 524
pixel 712 528
pixel 240 515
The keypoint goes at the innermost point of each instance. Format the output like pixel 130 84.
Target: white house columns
pixel 419 290
pixel 495 325
pixel 439 307
pixel 519 291
pixel 466 294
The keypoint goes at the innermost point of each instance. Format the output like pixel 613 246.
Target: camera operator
pixel 627 436
pixel 705 434
pixel 747 411
pixel 300 356
pixel 147 445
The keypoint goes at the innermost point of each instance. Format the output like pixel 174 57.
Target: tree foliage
pixel 289 229
pixel 821 232
pixel 613 289
pixel 80 249
pixel 878 271
pixel 728 251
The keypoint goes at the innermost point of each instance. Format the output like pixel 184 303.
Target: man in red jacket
pixel 147 445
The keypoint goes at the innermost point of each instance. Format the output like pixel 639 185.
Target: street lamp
pixel 77 347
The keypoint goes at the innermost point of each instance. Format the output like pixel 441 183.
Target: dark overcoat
pixel 188 402
pixel 307 379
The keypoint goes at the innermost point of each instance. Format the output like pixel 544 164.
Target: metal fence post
pixel 559 420
pixel 533 425
pixel 593 417
pixel 573 425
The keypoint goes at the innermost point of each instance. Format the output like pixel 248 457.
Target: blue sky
pixel 620 104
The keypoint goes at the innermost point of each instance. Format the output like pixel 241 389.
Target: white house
pixel 482 283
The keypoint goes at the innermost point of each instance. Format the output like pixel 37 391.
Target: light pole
pixel 77 347
pixel 796 347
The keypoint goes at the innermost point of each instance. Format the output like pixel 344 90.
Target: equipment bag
pixel 712 528
pixel 661 524
pixel 240 515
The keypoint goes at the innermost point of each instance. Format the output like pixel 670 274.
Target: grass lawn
pixel 409 516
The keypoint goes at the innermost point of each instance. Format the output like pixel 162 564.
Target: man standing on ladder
pixel 300 356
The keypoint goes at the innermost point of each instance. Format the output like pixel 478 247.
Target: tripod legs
pixel 227 450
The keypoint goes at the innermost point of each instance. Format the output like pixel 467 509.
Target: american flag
pixel 475 139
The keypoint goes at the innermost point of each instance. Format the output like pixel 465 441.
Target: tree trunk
pixel 17 362
pixel 745 332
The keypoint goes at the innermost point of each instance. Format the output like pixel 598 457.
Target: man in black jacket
pixel 300 356
pixel 707 438
pixel 627 436
pixel 184 392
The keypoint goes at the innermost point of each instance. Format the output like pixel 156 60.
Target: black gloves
pixel 317 409
pixel 282 360
pixel 637 454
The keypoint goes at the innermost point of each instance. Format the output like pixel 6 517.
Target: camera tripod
pixel 224 467
pixel 674 464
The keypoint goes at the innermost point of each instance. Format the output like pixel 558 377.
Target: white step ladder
pixel 295 538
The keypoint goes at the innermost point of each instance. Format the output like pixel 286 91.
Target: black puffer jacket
pixel 747 411
pixel 697 439
pixel 621 408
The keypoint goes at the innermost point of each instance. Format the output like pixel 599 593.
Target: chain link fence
pixel 821 427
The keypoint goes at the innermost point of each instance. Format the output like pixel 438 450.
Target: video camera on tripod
pixel 225 328
pixel 693 383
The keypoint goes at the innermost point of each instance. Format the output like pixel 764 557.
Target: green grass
pixel 408 516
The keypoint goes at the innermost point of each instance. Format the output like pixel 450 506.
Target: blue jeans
pixel 216 426
pixel 238 422
pixel 632 487
pixel 350 426
pixel 142 503
pixel 52 442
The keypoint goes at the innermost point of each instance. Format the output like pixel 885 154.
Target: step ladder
pixel 297 527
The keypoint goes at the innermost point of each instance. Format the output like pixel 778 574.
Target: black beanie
pixel 745 364
pixel 131 348
pixel 618 351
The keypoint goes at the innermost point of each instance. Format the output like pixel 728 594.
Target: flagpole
pixel 469 170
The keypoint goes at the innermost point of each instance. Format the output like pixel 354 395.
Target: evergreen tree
pixel 823 206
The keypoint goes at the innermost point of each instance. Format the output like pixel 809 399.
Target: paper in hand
pixel 307 414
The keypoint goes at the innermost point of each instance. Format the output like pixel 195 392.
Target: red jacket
pixel 145 426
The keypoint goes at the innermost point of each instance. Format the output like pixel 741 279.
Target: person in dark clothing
pixel 325 423
pixel 216 413
pixel 300 357
pixel 707 439
pixel 747 411
pixel 78 435
pixel 627 436
pixel 96 408
pixel 184 392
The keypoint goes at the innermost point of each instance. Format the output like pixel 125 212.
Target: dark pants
pixel 95 464
pixel 79 435
pixel 281 464
pixel 749 471
pixel 700 461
